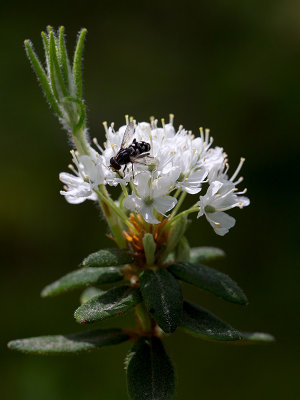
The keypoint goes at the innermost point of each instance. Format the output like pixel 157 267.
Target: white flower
pixel 88 176
pixel 220 197
pixel 77 190
pixel 176 160
pixel 169 149
pixel 152 195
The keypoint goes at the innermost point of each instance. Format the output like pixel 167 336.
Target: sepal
pixel 183 250
pixel 205 253
pixel 149 248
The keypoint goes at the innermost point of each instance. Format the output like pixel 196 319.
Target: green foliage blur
pixel 232 66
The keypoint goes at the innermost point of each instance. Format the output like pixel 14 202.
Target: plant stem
pixel 194 208
pixel 103 195
pixel 178 205
pixel 80 143
pixel 143 317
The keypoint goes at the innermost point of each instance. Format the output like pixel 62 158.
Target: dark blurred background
pixel 231 66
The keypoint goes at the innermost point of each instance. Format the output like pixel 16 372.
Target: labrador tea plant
pixel 147 224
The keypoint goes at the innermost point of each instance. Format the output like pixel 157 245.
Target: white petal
pixel 142 182
pixel 221 222
pixel 214 187
pixel 147 213
pixel 164 183
pixel 189 188
pixel 164 204
pixel 69 179
pixel 133 203
pixel 245 201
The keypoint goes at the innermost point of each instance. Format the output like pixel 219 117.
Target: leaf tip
pixel 79 318
pixel 44 293
pixel 10 344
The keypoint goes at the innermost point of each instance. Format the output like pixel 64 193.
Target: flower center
pixel 148 201
pixel 209 209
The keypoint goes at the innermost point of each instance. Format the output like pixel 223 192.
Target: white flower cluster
pixel 178 162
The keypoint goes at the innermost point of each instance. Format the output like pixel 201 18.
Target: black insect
pixel 137 152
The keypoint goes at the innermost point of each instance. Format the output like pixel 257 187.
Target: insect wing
pixel 129 132
pixel 145 159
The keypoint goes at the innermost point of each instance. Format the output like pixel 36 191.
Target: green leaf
pixel 42 76
pixel 81 111
pixel 90 292
pixel 46 49
pixel 108 258
pixel 149 248
pixel 57 80
pixel 77 70
pixel 69 344
pixel 205 325
pixel 150 374
pixel 163 298
pixel 64 60
pixel 256 338
pixel 183 250
pixel 81 278
pixel 203 254
pixel 209 279
pixel 113 302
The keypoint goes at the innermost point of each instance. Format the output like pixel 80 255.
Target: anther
pixel 96 143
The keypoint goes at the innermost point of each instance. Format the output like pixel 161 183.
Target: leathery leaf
pixel 113 302
pixel 69 344
pixel 209 279
pixel 150 374
pixel 163 298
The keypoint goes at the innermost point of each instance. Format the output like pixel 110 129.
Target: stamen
pixel 130 119
pixel 179 129
pixel 242 192
pixel 71 167
pixel 171 119
pixel 96 143
pixel 127 119
pixel 152 121
pixel 238 204
pixel 238 169
pixel 227 168
pixel 163 122
pixel 201 133
pixel 104 123
pixel 207 135
pixel 239 180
